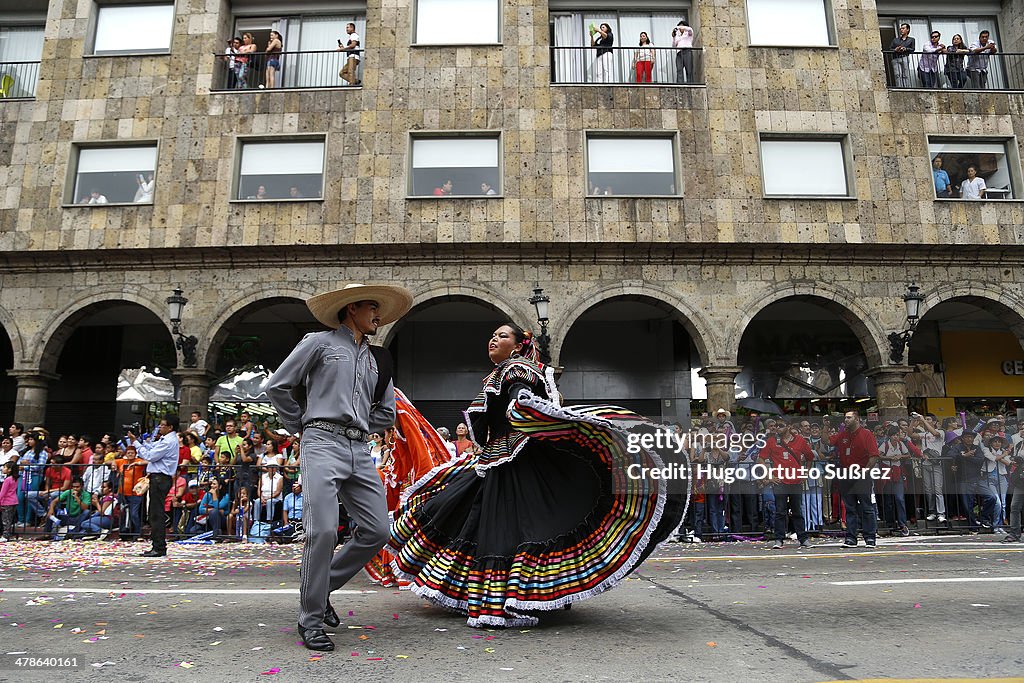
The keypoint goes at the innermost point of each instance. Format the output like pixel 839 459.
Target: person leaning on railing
pixel 956 51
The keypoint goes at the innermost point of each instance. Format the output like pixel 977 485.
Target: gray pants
pixel 934 486
pixel 335 467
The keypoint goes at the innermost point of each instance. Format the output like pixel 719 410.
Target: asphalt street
pixel 924 609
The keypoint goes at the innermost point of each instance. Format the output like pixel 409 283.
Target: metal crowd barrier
pixel 126 524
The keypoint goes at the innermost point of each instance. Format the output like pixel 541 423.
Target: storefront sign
pixel 1013 367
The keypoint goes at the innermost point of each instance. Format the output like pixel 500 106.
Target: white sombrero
pixel 393 302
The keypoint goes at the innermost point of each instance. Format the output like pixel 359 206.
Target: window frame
pixel 848 167
pixel 830 28
pixel 1013 162
pixel 488 134
pixel 413 42
pixel 236 165
pixel 94 22
pixel 71 177
pixel 677 161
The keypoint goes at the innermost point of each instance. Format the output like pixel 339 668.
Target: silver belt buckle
pixel 353 433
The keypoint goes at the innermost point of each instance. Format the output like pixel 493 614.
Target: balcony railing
pixel 627 65
pixel 289 70
pixel 18 79
pixel 909 70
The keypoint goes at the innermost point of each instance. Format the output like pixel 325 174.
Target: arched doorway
pixel 803 355
pixel 440 353
pixel 8 385
pixel 969 359
pixel 633 351
pixel 247 348
pixel 114 361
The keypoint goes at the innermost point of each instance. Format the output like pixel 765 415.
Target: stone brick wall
pixel 506 88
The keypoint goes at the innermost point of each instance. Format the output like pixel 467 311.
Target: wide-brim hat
pixel 393 302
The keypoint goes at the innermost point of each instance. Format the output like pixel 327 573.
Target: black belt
pixel 353 433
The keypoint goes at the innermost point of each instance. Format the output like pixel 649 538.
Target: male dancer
pixel 349 394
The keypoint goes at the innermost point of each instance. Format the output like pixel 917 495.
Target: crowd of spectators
pixel 239 480
pixel 953 474
pixel 242 480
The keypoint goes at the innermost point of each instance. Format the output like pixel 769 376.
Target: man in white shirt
pixel 348 72
pixel 96 473
pixel 933 440
pixel 95 197
pixel 682 40
pixel 17 432
pixel 973 187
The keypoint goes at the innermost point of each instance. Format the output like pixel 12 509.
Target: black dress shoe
pixel 153 553
pixel 316 639
pixel 331 617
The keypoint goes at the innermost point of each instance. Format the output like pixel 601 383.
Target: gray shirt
pixel 339 378
pixel 908 44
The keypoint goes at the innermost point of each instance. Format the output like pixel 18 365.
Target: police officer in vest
pixel 348 394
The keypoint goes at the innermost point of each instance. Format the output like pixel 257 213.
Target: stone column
pixel 30 404
pixel 193 392
pixel 721 381
pixel 890 390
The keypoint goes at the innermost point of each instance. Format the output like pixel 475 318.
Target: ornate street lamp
pixel 540 304
pixel 898 341
pixel 187 345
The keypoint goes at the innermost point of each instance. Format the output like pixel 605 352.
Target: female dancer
pixel 545 515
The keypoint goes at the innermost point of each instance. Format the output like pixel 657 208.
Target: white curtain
pixel 455 153
pixel 784 165
pixel 787 22
pixel 282 158
pixel 310 34
pixel 630 155
pixel 455 22
pixel 569 64
pixel 133 28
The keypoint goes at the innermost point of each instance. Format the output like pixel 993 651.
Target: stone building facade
pixel 712 256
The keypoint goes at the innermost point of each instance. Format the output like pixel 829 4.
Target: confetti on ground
pixel 100 665
pixel 978 604
pixel 271 672
pixel 216 642
pixel 917 605
pixel 488 649
pixel 712 643
pixel 185 665
pixel 401 656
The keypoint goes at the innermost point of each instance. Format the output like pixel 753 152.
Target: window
pixel 310 58
pixel 289 169
pixel 574 61
pixel 630 166
pixel 131 29
pixel 21 50
pixel 457 22
pixel 115 175
pixel 793 23
pixel 455 166
pixel 999 74
pixel 802 167
pixel 995 163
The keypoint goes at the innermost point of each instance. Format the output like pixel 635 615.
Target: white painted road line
pixel 965 579
pixel 51 589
